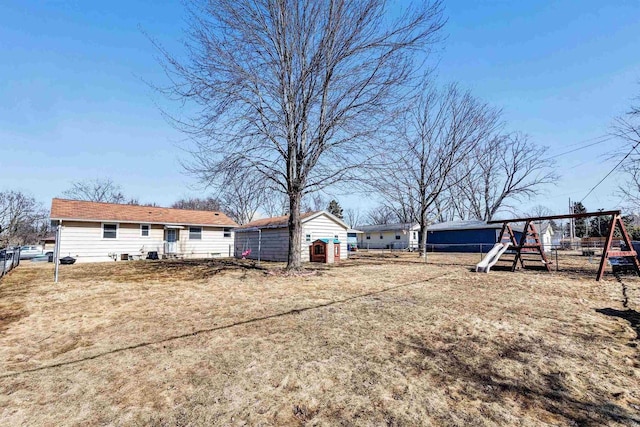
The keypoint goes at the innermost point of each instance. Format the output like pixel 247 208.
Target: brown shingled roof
pixel 98 211
pixel 275 222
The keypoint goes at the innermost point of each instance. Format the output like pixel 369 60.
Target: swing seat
pixel 246 253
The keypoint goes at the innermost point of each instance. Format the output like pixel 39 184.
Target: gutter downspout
pixel 56 253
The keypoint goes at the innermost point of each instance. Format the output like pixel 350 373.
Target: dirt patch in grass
pixel 374 340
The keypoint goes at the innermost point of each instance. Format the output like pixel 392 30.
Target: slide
pixel 492 257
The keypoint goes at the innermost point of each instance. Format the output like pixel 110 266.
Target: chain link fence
pixel 9 259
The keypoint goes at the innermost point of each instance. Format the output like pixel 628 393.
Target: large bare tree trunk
pixel 423 240
pixel 294 92
pixel 294 259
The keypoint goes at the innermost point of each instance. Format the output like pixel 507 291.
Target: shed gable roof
pixel 283 221
pixel 80 210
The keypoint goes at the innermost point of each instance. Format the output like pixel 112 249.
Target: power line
pixel 581 148
pixel 588 140
pixel 611 171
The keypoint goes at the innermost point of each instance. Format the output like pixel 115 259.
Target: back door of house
pixel 172 238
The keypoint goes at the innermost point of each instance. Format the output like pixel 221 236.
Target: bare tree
pixel 352 216
pixel 22 219
pixel 627 128
pixel 313 202
pixel 96 190
pixel 503 170
pixel 242 197
pixel 198 204
pixel 275 203
pixel 381 215
pixel 437 133
pixel 293 90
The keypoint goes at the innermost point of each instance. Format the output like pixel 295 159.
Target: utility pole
pixel 572 230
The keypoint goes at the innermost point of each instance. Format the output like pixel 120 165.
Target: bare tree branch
pixel 293 91
pixel 437 133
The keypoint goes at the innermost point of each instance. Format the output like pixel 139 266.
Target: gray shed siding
pixel 275 241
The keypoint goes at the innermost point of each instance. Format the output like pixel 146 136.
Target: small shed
pixel 269 237
pixel 325 250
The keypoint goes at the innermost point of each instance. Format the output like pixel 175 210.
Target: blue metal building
pixel 464 236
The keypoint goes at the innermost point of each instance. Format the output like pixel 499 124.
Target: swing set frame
pixel 530 243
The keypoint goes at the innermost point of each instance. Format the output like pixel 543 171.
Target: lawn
pixel 381 339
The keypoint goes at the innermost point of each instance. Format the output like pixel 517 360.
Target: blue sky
pixel 74 103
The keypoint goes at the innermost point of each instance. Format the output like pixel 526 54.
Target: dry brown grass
pixel 382 339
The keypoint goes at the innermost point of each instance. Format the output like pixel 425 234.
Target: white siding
pixel 84 241
pixel 546 240
pixel 388 240
pixel 275 241
pixel 323 227
pixel 212 244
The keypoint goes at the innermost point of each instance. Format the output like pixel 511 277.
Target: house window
pixel 109 231
pixel 195 233
pixel 397 237
pixel 415 235
pixel 227 232
pixel 368 236
pixel 144 230
pixel 318 250
pixel 307 237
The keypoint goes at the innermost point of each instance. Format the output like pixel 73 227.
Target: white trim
pixel 303 221
pixel 109 223
pixel 148 230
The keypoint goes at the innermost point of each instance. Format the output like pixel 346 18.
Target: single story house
pixel 389 236
pixel 272 236
pixel 48 243
pixel 465 236
pixel 95 231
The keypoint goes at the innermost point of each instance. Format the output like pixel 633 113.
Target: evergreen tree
pixel 580 223
pixel 335 209
pixel 599 225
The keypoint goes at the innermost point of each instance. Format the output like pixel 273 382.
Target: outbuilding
pixel 267 239
pixel 464 236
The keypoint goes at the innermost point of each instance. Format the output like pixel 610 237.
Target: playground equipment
pixel 530 244
pixel 492 257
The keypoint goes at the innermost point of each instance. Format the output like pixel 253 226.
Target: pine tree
pixel 580 223
pixel 335 209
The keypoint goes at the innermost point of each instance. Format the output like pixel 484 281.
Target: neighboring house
pixel 465 236
pixel 352 238
pixel 48 243
pixel 93 231
pixel 389 236
pixel 269 237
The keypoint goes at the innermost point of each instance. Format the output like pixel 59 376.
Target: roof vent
pixel 216 214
